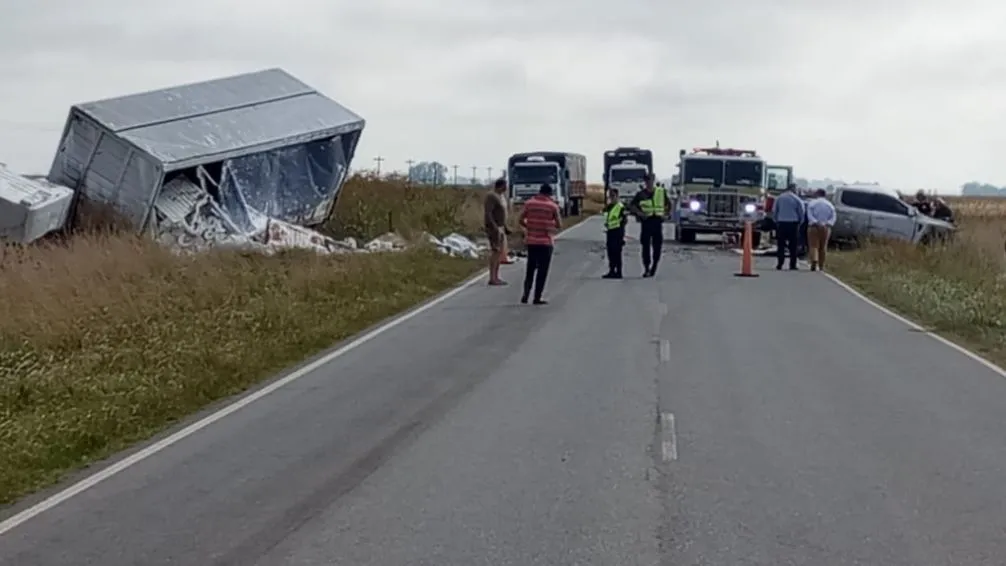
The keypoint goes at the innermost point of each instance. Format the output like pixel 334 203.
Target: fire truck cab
pixel 720 189
pixel 777 178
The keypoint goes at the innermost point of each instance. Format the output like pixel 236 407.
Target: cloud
pixel 909 92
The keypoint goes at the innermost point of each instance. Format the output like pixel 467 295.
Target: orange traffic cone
pixel 747 257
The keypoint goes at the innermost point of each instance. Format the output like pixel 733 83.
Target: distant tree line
pixel 972 189
pixel 976 189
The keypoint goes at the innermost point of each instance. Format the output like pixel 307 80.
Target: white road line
pixel 137 457
pixel 665 351
pixel 662 309
pixel 915 326
pixel 909 323
pixel 669 438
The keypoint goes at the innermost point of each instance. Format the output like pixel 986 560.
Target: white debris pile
pixel 188 218
pixel 31 208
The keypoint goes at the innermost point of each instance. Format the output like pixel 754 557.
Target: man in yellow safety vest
pixel 615 219
pixel 650 207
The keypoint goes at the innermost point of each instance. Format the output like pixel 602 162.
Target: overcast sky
pixel 911 93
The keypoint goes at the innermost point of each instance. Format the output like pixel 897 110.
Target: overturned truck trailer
pixel 242 150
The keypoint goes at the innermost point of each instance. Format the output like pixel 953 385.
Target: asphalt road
pixel 691 419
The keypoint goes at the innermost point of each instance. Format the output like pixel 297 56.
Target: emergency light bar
pixel 726 151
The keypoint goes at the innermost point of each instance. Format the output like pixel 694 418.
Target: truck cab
pixel 720 189
pixel 566 172
pixel 777 178
pixel 628 177
pixel 625 169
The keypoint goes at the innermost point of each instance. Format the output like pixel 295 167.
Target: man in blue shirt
pixel 788 212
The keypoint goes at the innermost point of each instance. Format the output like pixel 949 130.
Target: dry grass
pixel 956 289
pixel 109 338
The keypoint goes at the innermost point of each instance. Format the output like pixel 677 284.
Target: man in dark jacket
pixel 650 207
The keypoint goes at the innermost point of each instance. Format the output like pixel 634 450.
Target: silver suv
pixel 873 211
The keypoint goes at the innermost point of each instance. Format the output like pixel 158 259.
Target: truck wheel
pixel 575 211
pixel 686 236
pixel 755 239
pixel 565 209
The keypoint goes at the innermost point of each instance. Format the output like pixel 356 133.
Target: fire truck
pixel 719 190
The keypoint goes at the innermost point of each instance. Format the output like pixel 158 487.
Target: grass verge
pixel 956 290
pixel 108 339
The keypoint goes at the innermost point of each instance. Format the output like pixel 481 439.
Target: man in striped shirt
pixel 541 220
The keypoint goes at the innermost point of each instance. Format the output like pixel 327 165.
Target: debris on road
pixel 31 207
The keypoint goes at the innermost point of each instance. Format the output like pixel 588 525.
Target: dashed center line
pixel 665 351
pixel 669 438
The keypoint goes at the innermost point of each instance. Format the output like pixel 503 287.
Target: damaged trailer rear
pixel 247 151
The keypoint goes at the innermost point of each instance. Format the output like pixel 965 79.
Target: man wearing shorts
pixel 495 224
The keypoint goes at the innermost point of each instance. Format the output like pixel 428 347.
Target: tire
pixel 685 236
pixel 756 239
pixel 576 207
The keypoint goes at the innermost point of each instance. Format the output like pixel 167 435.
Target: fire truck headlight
pixel 694 205
pixel 750 208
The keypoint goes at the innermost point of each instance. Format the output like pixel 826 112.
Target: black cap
pixel 500 183
pixel 545 189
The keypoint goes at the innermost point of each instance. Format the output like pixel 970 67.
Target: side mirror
pixel 912 211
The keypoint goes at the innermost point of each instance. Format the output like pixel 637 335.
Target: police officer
pixel 615 219
pixel 650 208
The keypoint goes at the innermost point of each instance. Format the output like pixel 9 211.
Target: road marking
pixel 669 438
pixel 909 323
pixel 915 326
pixel 94 479
pixel 665 351
pixel 662 309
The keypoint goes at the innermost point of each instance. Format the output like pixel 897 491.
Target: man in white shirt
pixel 820 219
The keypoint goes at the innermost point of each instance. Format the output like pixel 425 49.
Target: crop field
pixel 957 289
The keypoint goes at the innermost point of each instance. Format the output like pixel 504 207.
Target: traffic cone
pixel 747 257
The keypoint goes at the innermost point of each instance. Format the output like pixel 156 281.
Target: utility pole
pixel 490 170
pixel 379 160
pixel 410 162
pixel 455 167
pixel 475 174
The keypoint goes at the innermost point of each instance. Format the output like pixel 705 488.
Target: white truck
pixel 566 172
pixel 625 169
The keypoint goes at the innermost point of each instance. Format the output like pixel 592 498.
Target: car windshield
pixel 628 175
pixel 534 174
pixel 744 173
pixel 704 171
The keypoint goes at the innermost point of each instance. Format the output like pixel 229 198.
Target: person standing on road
pixel 495 225
pixel 650 207
pixel 541 220
pixel 820 218
pixel 505 252
pixel 615 219
pixel 787 213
